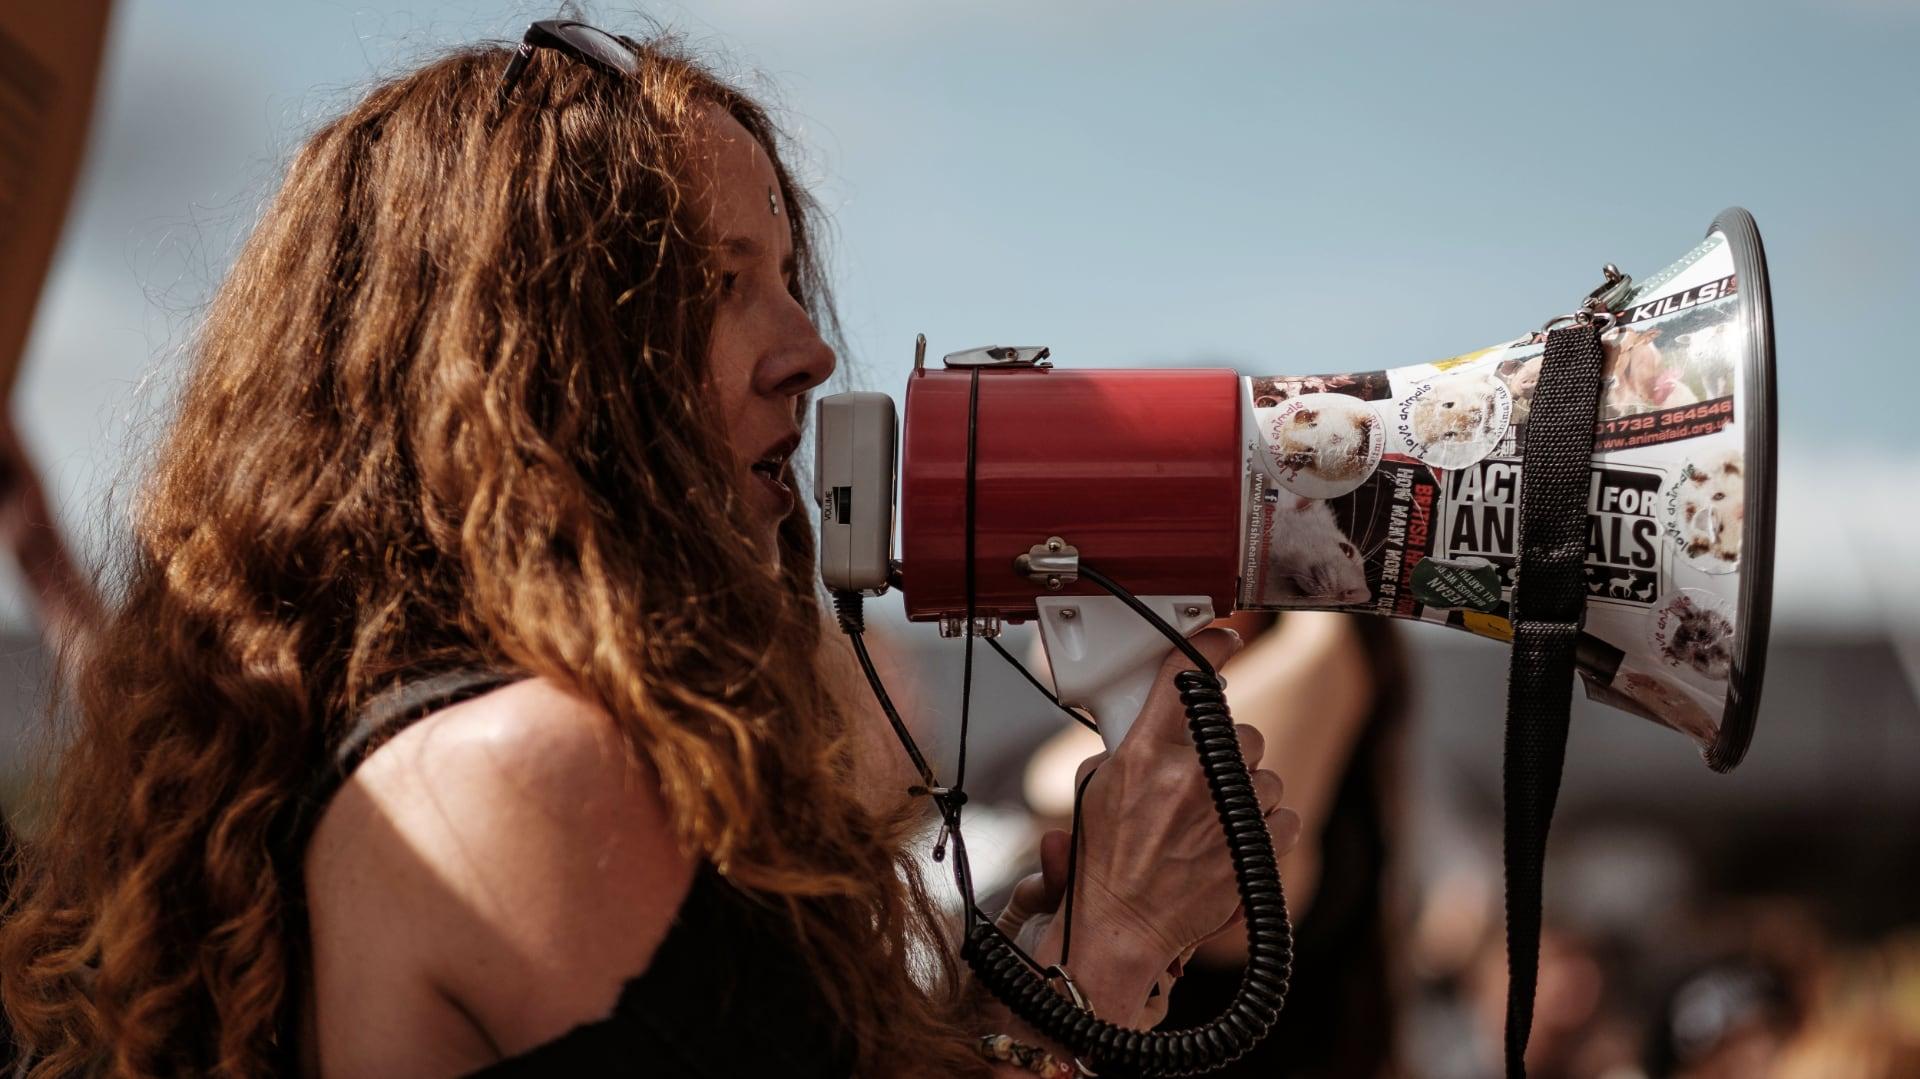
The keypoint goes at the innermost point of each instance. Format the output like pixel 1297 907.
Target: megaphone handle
pixel 1118 705
pixel 1104 656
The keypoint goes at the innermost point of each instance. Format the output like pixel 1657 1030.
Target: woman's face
pixel 765 353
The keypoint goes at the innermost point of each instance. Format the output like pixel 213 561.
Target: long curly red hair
pixel 447 409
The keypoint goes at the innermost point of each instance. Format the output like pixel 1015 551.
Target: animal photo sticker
pixel 1672 368
pixel 1320 445
pixel 1692 633
pixel 1639 377
pixel 1359 550
pixel 1520 374
pixel 1453 421
pixel 1706 511
pixel 1274 391
pixel 1308 560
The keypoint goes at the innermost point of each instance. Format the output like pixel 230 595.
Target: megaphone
pixel 1124 509
pixel 1391 492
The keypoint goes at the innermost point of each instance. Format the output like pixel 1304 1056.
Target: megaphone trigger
pixel 1105 658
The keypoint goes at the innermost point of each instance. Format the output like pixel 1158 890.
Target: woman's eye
pixel 729 281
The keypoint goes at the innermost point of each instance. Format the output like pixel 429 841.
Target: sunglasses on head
pixel 609 54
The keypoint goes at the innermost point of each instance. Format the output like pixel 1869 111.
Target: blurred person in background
pixel 1328 694
pixel 1863 1046
pixel 1863 1021
pixel 64 601
pixel 1726 1020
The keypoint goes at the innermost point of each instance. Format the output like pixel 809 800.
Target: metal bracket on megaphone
pixel 1052 565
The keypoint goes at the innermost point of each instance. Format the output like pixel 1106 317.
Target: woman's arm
pixel 1307 686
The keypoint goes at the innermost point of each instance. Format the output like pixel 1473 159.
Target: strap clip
pixel 1598 307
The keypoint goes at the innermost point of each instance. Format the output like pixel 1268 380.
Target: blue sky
pixel 1283 187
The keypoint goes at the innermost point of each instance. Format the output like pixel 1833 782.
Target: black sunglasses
pixel 609 54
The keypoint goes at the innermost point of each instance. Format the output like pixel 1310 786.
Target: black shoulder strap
pixel 385 715
pixel 1549 608
pixel 395 709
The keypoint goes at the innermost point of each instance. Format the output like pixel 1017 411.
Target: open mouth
pixel 774 461
pixel 771 471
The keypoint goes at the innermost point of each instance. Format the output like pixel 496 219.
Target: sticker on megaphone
pixel 1319 445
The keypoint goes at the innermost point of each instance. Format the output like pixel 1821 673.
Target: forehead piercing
pixel 773 202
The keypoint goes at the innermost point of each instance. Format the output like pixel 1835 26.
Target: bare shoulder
pixel 507 855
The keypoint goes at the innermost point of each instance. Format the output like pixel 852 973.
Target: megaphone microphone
pixel 1084 499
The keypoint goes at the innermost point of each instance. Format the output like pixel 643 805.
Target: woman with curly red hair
pixel 463 703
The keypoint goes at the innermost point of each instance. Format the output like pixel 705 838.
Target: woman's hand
pixel 1153 880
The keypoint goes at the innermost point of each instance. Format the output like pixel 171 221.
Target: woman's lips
pixel 778 495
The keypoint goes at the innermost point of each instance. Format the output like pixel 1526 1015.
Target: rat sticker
pixel 1706 511
pixel 1692 633
pixel 1453 421
pixel 1320 445
pixel 1309 560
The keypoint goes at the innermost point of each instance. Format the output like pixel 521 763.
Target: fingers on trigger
pixel 1217 644
pixel 1268 786
pixel 1284 825
pixel 1253 744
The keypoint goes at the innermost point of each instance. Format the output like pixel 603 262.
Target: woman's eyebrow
pixel 747 247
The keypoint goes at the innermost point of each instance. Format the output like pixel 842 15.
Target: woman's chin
pixel 770 550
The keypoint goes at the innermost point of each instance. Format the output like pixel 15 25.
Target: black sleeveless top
pixel 727 993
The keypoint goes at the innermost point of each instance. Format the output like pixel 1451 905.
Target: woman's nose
pixel 801 361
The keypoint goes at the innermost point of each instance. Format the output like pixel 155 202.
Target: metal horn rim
pixel 1758 408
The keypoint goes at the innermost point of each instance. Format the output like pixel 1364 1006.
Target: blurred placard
pixel 49 61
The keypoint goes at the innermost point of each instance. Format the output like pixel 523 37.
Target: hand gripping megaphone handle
pixel 1018 981
pixel 1011 975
